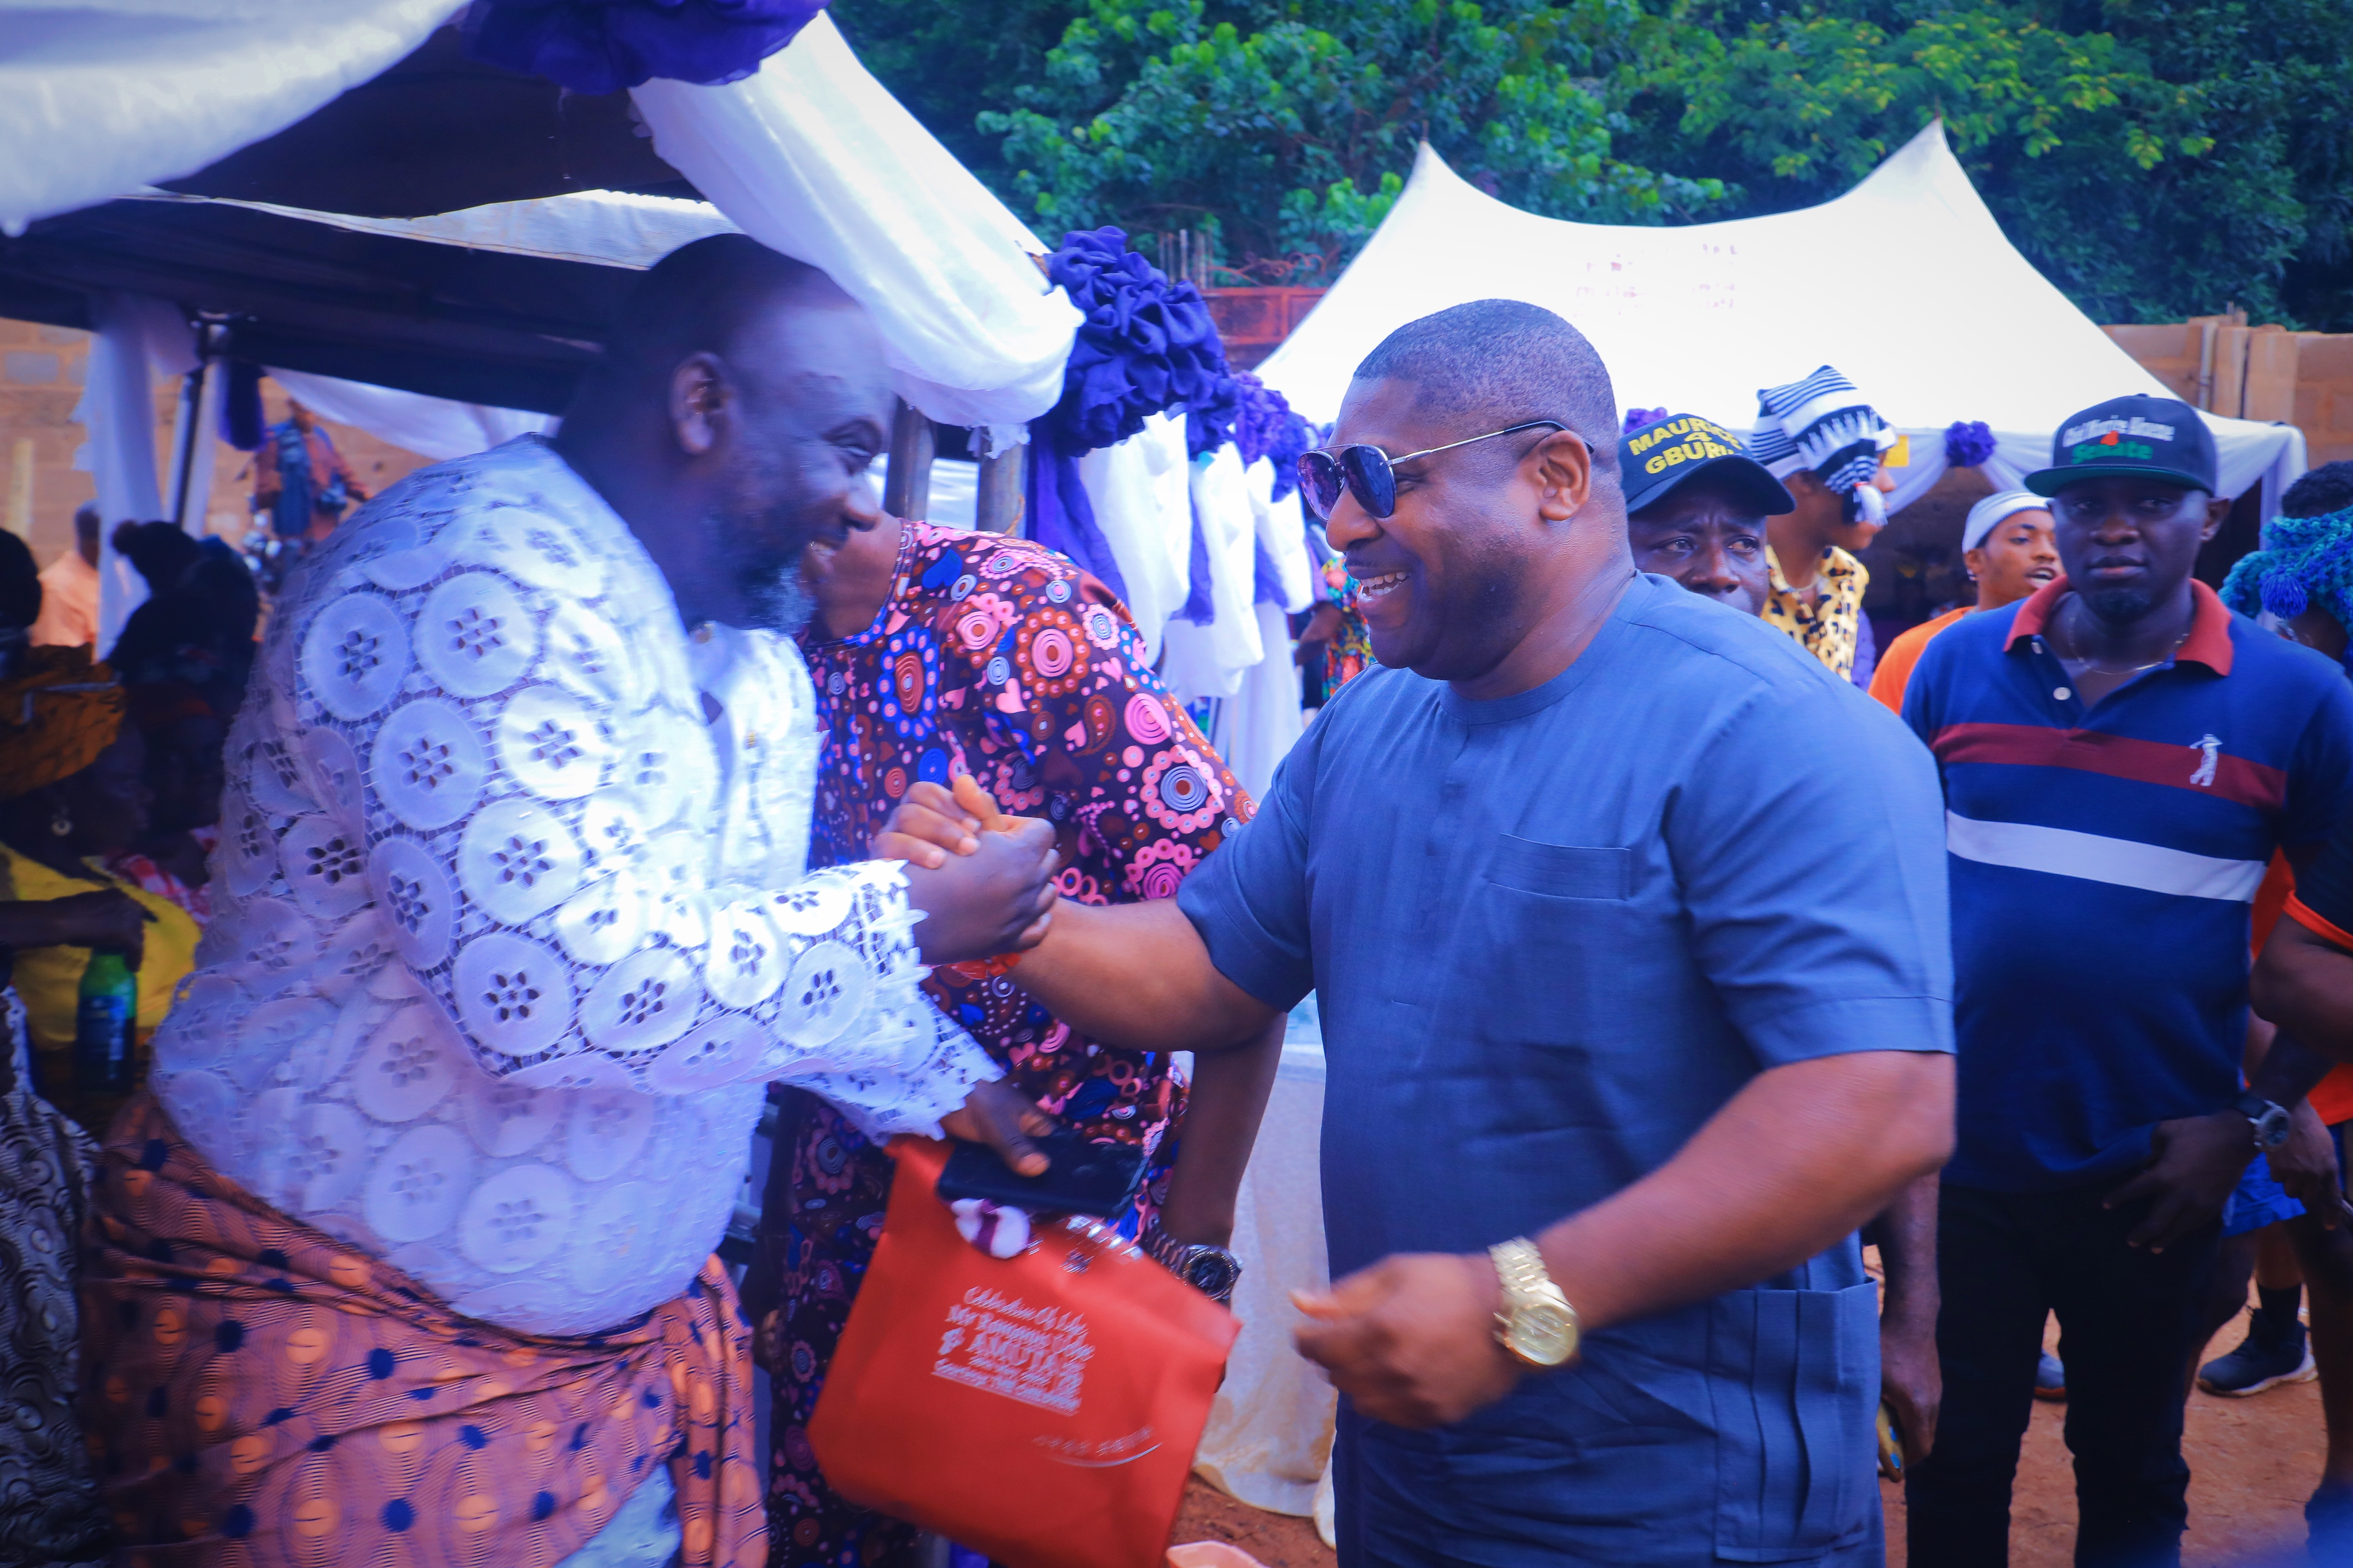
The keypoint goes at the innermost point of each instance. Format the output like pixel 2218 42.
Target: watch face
pixel 2271 1130
pixel 1212 1273
pixel 1542 1333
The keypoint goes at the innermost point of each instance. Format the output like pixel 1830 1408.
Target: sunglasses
pixel 1370 474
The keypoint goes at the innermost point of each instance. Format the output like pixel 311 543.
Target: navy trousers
pixel 2126 1318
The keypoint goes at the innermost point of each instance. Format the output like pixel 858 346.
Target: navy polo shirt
pixel 1551 935
pixel 2103 863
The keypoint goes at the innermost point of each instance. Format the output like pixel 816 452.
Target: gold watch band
pixel 1537 1327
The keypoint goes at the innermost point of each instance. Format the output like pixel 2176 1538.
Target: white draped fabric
pixel 812 157
pixel 138 338
pixel 433 427
pixel 809 155
pixel 1269 1439
pixel 99 98
pixel 1696 319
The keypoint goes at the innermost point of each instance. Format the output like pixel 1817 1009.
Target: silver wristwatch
pixel 1212 1270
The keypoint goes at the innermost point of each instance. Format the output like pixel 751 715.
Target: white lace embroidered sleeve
pixel 487 756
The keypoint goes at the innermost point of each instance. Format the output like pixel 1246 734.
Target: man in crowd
pixel 69 588
pixel 1822 438
pixel 300 480
pixel 2300 584
pixel 405 1257
pixel 2006 544
pixel 939 653
pixel 2120 758
pixel 1696 509
pixel 1597 1273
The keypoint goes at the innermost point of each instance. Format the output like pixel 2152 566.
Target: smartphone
pixel 1085 1177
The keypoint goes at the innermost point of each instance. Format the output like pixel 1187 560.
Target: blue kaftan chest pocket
pixel 1794 1376
pixel 1562 870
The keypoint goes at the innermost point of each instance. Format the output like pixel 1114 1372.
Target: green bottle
pixel 103 1020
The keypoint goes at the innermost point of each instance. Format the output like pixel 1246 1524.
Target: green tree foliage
pixel 1288 128
pixel 2155 158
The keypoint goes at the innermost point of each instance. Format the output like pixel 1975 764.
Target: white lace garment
pixel 514 917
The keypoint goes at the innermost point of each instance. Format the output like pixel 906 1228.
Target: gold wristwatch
pixel 1537 1327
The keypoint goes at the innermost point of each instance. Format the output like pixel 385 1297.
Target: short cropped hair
pixel 697 300
pixel 1495 362
pixel 2326 488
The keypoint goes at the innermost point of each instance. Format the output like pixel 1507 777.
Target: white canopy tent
pixel 1906 283
pixel 811 155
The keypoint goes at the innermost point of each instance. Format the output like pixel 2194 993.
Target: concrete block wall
pixel 2262 373
pixel 41 371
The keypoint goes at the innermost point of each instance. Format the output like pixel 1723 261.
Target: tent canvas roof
pixel 1906 283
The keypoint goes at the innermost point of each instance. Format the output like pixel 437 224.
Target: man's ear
pixel 1564 469
pixel 2217 508
pixel 699 402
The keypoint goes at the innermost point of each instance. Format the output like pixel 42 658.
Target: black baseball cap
pixel 1657 458
pixel 2130 438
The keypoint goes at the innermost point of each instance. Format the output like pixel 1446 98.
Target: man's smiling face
pixel 1444 584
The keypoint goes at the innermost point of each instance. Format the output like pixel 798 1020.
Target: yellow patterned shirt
pixel 1826 625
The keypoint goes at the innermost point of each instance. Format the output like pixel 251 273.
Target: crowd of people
pixel 584 794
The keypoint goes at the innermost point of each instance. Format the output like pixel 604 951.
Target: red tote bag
pixel 1043 1409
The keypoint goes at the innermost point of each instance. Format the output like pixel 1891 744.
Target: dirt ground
pixel 2253 1462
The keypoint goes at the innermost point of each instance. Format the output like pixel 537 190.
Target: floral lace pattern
pixel 512 919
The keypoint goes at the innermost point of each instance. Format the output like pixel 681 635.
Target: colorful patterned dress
pixel 1350 652
pixel 998 657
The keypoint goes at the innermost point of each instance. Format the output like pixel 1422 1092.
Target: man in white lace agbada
pixel 515 925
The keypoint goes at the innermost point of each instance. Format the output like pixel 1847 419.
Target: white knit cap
pixel 1987 515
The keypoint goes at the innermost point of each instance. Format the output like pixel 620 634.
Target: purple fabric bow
pixel 1266 427
pixel 1968 443
pixel 1146 345
pixel 605 46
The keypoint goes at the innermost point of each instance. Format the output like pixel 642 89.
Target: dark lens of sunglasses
pixel 1319 476
pixel 1370 476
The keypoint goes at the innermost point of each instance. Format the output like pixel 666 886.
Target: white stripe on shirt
pixel 2124 862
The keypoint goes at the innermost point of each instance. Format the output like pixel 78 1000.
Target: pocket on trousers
pixel 1794 1376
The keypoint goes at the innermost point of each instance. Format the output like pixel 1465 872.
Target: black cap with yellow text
pixel 1660 457
pixel 2138 438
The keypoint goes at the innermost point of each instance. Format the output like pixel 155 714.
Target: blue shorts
pixel 2259 1200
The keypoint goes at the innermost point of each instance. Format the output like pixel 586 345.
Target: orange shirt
pixel 1894 669
pixel 2332 1097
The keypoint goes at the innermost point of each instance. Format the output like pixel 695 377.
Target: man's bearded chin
pixel 2118 606
pixel 777 598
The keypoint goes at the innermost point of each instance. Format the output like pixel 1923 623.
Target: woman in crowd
pixel 938 653
pixel 72 791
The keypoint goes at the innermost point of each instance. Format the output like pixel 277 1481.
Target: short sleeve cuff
pixel 1239 946
pixel 1843 1025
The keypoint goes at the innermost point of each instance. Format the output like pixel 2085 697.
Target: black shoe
pixel 2264 1359
pixel 2050 1378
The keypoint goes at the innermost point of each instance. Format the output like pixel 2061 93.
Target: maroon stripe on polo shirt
pixel 2182 766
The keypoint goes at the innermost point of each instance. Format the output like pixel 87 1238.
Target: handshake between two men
pixel 985 884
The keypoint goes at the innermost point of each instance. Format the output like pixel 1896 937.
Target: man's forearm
pixel 1801 1157
pixel 2304 983
pixel 1137 976
pixel 1221 1121
pixel 1905 1235
pixel 2289 1070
